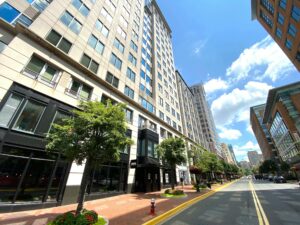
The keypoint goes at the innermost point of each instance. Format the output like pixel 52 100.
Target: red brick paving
pixel 126 209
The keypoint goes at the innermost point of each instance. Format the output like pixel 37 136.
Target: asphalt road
pixel 235 205
pixel 281 202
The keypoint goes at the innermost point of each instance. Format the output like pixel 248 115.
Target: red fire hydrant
pixel 152 207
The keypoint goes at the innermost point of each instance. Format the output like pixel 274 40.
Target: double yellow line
pixel 262 219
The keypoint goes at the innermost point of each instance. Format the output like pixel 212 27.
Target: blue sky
pixel 215 42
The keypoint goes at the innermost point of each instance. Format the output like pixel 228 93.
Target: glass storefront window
pixel 9 109
pixel 11 170
pixel 29 117
pixel 37 169
pixel 36 180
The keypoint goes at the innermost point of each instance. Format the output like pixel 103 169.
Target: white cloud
pixel 241 151
pixel 215 85
pixel 235 106
pixel 230 134
pixel 249 129
pixel 198 46
pixel 262 60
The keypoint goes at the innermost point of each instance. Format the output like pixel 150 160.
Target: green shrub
pixel 178 192
pixel 87 217
pixel 67 218
pixel 167 191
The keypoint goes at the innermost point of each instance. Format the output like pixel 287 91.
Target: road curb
pixel 184 205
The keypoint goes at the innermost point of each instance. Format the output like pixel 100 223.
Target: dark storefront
pixel 29 176
pixel 147 177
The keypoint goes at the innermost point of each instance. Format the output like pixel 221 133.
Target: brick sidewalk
pixel 126 209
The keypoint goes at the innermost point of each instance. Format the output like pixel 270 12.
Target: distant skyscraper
pixel 206 118
pixel 232 153
pixel 227 154
pixel 254 158
pixel 281 19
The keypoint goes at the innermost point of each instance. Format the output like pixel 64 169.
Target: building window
pixel 288 44
pixel 129 92
pixel 147 105
pixel 8 13
pixel 58 118
pixel 115 61
pixel 142 87
pixel 71 22
pixel 106 15
pixel 23 20
pixel 282 4
pixel 292 30
pixel 39 69
pixel 79 90
pixel 159 76
pixel 266 19
pixel 161 115
pixel 132 59
pixel 133 46
pixel 280 18
pixel 59 41
pixel 9 110
pixel 96 44
pixel 174 125
pixel 29 117
pixel 168 120
pixel 161 101
pixel 129 115
pixel 121 32
pixel 40 5
pixel 82 8
pixel 119 45
pixel 89 63
pixel 298 56
pixel 296 13
pixel 112 80
pixel 278 32
pixel 130 74
pixel 268 6
pixel 111 5
pixel 124 22
pixel 100 27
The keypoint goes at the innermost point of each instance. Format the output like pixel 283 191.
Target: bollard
pixel 152 207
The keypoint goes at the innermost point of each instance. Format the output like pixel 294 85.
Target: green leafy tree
pixel 285 167
pixel 268 166
pixel 94 135
pixel 172 151
pixel 209 163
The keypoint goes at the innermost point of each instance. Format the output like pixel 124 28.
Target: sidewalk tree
pixel 209 163
pixel 95 134
pixel 285 167
pixel 268 166
pixel 172 151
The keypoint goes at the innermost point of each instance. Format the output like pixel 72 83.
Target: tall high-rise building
pixel 281 19
pixel 227 154
pixel 261 132
pixel 206 118
pixel 232 153
pixel 254 158
pixel 55 53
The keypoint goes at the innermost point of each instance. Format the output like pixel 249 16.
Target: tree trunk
pixel 83 186
pixel 173 177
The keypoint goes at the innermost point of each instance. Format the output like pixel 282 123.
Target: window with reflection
pixel 29 117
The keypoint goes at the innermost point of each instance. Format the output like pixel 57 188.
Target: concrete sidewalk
pixel 126 209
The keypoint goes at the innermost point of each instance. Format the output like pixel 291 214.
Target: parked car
pixel 271 178
pixel 280 179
